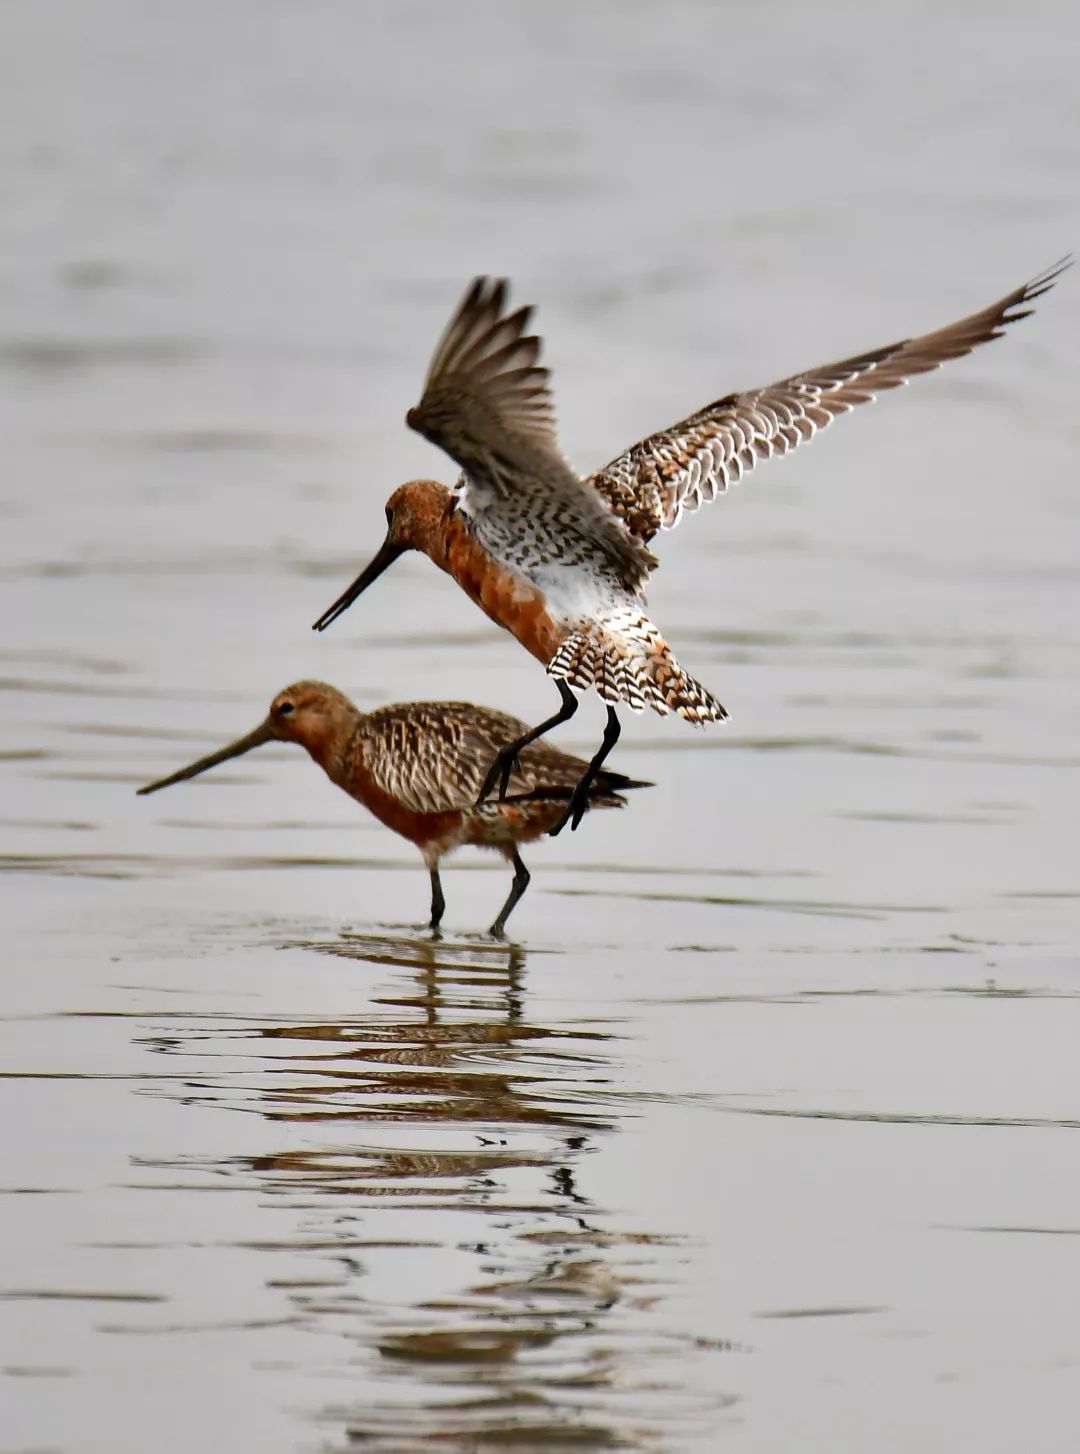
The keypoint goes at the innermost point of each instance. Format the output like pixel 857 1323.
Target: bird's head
pixel 415 513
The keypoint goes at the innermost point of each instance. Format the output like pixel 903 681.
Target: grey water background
pixel 763 1133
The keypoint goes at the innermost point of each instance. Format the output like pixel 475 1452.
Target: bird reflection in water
pixel 447 1191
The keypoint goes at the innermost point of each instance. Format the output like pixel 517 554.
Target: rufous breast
pixel 505 595
pixel 418 827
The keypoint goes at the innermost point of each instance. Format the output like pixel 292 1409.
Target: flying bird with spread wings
pixel 562 562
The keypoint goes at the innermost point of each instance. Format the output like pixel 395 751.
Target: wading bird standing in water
pixel 418 767
pixel 562 562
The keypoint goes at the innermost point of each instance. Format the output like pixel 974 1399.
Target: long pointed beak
pixel 262 733
pixel 387 554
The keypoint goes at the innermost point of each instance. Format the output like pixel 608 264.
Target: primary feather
pixel 691 462
pixel 488 404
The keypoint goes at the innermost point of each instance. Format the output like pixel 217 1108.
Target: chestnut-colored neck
pixel 327 740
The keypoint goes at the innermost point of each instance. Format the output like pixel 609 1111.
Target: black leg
pixel 507 755
pixel 438 903
pixel 517 888
pixel 579 799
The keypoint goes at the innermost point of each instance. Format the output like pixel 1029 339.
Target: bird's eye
pixel 286 709
pixel 389 515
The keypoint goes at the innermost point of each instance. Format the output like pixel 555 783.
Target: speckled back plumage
pixel 432 758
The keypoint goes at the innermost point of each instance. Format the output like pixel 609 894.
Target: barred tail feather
pixel 627 660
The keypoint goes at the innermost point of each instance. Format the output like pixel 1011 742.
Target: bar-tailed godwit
pixel 418 767
pixel 562 562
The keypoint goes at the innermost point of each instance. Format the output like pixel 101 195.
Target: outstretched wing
pixel 697 459
pixel 488 404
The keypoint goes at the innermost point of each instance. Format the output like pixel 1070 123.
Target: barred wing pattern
pixel 689 464
pixel 488 404
pixel 432 757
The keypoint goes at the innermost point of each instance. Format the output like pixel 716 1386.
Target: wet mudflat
pixel 761 1132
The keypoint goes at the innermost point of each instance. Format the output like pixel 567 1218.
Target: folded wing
pixel 697 459
pixel 432 757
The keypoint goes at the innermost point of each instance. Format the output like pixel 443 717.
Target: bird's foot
pixel 502 766
pixel 576 809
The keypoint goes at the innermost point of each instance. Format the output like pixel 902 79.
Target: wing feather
pixel 680 468
pixel 487 402
pixel 432 757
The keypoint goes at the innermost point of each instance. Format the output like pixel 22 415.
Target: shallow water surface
pixel 760 1134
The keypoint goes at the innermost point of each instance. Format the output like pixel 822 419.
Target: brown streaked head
pixel 415 513
pixel 314 714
